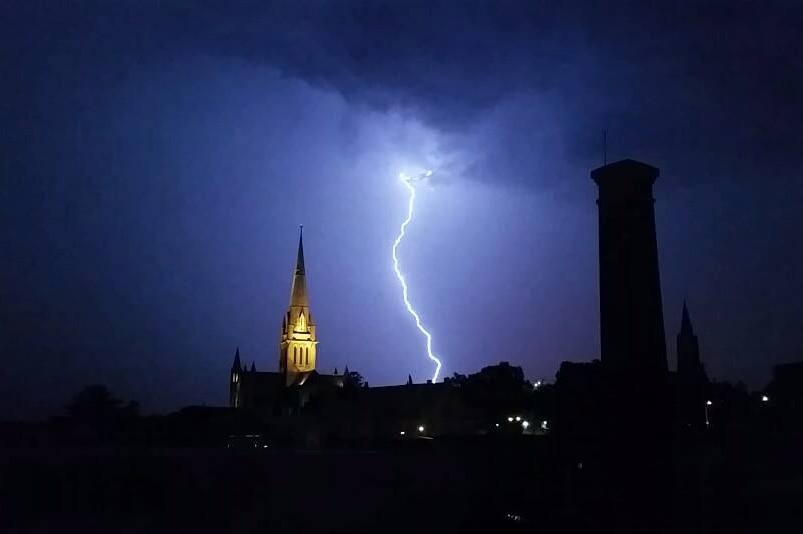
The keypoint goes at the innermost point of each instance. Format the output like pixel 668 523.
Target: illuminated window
pixel 301 325
pixel 234 377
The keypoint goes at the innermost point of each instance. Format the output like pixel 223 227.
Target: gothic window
pixel 295 354
pixel 301 325
pixel 306 356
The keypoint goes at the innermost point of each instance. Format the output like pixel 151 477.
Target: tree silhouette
pixel 96 403
pixel 353 379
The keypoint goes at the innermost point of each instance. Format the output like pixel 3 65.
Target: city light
pixel 421 428
pixel 544 425
pixel 509 419
pixel 708 403
pixel 518 418
pixel 764 398
pixel 402 432
pixel 524 425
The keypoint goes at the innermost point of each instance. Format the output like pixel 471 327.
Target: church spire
pixel 685 321
pixel 300 258
pixel 298 293
pixel 236 365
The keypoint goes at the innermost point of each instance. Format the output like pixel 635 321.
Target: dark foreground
pixel 421 486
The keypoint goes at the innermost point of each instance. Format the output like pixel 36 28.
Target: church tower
pixel 297 348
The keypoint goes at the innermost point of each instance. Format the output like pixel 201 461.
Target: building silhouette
pixel 631 312
pixel 634 406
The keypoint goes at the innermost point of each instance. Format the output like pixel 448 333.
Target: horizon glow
pixel 406 180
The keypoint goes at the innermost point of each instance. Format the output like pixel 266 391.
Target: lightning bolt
pixel 411 204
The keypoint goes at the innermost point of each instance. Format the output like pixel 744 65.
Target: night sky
pixel 156 159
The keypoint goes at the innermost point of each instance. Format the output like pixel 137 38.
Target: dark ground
pixel 424 486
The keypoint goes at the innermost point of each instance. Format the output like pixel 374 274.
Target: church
pixel 290 388
pixel 341 407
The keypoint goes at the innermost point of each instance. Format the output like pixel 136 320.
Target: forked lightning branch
pixel 408 183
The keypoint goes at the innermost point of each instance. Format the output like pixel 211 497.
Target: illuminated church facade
pixel 297 378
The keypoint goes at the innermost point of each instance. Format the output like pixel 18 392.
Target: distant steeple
pixel 409 380
pixel 688 349
pixel 346 371
pixel 236 365
pixel 253 367
pixel 685 321
pixel 692 382
pixel 335 370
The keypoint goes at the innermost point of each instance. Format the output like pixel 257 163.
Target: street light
pixel 524 425
pixel 707 404
pixel 764 398
pixel 402 432
pixel 509 419
pixel 518 418
pixel 421 428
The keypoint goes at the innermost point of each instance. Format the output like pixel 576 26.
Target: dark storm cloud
pixel 709 88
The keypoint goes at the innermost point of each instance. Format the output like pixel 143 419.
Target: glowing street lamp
pixel 764 398
pixel 518 418
pixel 707 404
pixel 421 428
pixel 509 419
pixel 524 425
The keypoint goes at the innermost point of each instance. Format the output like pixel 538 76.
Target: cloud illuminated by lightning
pixel 407 181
